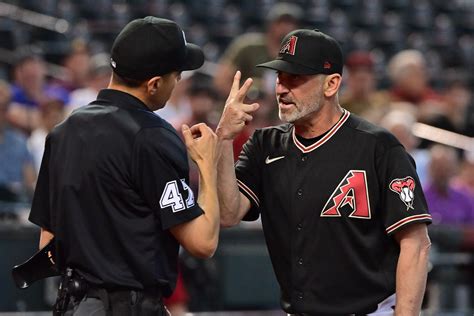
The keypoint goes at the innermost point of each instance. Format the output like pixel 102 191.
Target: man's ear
pixel 332 84
pixel 154 84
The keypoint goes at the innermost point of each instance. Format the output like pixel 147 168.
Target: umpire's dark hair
pixel 128 82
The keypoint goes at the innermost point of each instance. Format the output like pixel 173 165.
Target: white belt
pixel 384 308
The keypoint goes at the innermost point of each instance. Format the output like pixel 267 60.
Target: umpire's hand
pixel 236 113
pixel 202 145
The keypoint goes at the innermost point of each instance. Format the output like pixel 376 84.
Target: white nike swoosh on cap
pixel 270 160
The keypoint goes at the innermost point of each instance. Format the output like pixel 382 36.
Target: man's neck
pixel 136 92
pixel 320 121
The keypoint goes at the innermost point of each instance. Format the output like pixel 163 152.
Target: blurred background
pixel 409 67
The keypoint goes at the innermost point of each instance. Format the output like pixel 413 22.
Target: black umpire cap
pixel 153 46
pixel 308 52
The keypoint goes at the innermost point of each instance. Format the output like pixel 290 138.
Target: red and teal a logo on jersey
pixel 351 192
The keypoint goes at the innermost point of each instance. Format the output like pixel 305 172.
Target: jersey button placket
pixel 299 192
pixel 304 158
pixel 300 261
pixel 299 227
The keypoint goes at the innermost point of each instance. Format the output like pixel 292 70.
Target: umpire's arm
pixel 412 268
pixel 200 236
pixel 45 238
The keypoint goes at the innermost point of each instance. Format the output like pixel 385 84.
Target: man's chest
pixel 327 183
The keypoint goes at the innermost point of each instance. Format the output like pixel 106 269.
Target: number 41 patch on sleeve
pixel 172 197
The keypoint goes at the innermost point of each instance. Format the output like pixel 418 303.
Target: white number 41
pixel 172 197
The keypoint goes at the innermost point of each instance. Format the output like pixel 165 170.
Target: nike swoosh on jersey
pixel 270 160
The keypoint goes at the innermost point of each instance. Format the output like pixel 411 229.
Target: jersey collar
pixel 320 142
pixel 121 99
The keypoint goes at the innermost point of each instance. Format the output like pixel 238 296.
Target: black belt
pixel 94 291
pixel 362 313
pixel 353 314
pixel 129 302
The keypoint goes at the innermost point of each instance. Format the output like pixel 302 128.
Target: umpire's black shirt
pixel 113 180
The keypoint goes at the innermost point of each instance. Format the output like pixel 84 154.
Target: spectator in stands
pixel 17 175
pixel 177 108
pixel 51 113
pixel 448 204
pixel 76 64
pixel 98 78
pixel 359 95
pixel 469 121
pixel 30 89
pixel 465 179
pixel 400 121
pixel 410 82
pixel 251 49
pixel 457 98
pixel 202 98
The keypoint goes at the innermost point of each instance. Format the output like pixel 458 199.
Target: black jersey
pixel 113 180
pixel 328 211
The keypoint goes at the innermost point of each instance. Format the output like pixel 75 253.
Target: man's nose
pixel 280 88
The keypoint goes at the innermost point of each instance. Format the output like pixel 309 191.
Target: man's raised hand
pixel 236 113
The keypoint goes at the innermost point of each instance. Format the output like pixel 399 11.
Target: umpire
pixel 113 186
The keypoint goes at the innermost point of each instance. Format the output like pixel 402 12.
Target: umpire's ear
pixel 153 85
pixel 332 84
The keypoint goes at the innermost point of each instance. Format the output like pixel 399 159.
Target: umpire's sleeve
pixel 41 213
pixel 160 172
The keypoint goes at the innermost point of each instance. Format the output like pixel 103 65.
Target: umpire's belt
pixel 129 302
pixel 362 313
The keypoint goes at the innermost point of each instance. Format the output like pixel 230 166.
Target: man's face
pixel 30 73
pixel 169 82
pixel 298 96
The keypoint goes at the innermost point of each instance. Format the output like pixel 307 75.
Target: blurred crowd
pixel 401 96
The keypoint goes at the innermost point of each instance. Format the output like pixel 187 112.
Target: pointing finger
pixel 235 84
pixel 242 93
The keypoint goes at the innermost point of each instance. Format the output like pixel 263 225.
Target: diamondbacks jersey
pixel 329 210
pixel 113 180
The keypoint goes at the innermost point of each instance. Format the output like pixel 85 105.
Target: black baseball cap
pixel 308 52
pixel 153 46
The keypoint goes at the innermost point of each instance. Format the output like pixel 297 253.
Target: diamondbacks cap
pixel 308 52
pixel 153 46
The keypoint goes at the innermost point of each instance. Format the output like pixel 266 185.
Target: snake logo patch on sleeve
pixel 405 189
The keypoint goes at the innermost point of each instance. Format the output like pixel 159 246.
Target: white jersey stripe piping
pixel 249 192
pixel 335 128
pixel 407 220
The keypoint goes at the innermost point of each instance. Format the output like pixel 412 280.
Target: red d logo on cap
pixel 290 46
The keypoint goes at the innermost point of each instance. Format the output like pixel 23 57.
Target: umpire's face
pixel 298 96
pixel 160 89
